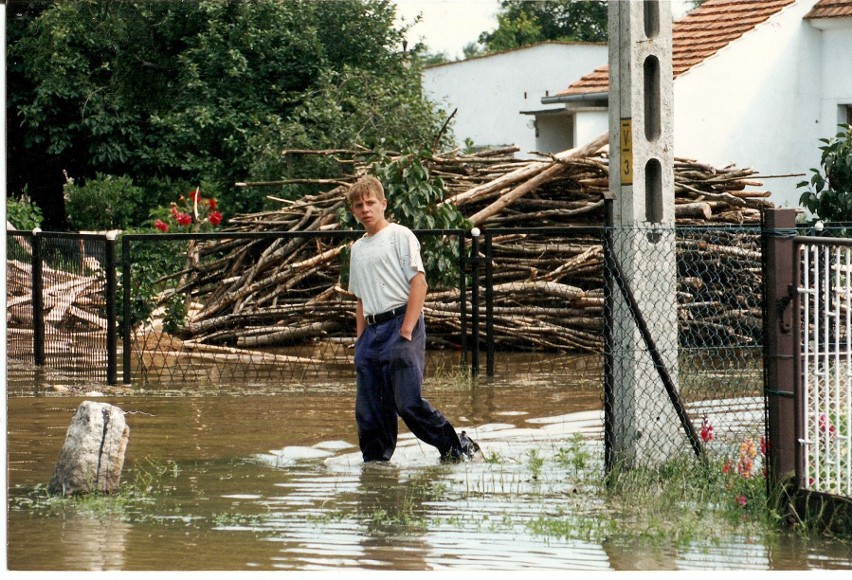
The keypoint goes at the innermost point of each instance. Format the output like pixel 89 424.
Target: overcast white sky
pixel 449 25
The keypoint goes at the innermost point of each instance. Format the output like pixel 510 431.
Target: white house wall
pixel 836 75
pixel 589 125
pixel 756 104
pixel 490 92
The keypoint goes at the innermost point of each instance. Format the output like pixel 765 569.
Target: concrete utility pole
pixel 645 429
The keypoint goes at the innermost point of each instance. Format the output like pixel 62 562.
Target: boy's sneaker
pixel 469 447
pixel 465 452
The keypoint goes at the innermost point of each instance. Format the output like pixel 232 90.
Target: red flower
pixel 825 425
pixel 212 203
pixel 183 219
pixel 195 196
pixel 726 468
pixel 764 445
pixel 215 218
pixel 706 430
pixel 741 500
pixel 161 225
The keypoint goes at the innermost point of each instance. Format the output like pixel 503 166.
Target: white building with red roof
pixel 488 92
pixel 756 84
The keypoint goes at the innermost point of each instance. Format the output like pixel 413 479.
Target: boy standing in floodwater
pixel 387 277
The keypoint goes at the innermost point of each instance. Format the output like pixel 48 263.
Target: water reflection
pixel 389 507
pixel 270 479
pixel 96 544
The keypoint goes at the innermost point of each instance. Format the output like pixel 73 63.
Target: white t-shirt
pixel 381 267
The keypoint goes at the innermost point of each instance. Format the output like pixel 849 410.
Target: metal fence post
pixel 608 328
pixel 463 298
pixel 474 299
pixel 111 299
pixel 125 306
pixel 779 229
pixel 489 306
pixel 38 300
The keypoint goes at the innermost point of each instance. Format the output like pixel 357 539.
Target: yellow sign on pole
pixel 627 152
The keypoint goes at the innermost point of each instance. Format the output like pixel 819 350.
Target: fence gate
pixel 808 379
pixel 824 363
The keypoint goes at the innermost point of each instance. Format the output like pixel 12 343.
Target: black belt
pixel 385 316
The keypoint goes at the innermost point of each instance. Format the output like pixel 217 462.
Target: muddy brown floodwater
pixel 270 479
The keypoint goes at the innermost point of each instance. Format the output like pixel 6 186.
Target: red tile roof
pixel 831 9
pixel 698 36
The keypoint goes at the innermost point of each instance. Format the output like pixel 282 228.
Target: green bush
pixel 23 213
pixel 104 203
pixel 829 194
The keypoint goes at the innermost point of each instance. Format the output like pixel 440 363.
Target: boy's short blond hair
pixel 365 186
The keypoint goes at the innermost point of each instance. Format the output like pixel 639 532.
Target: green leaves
pixel 207 91
pixel 521 23
pixel 829 191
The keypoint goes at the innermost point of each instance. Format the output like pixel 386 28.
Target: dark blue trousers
pixel 390 379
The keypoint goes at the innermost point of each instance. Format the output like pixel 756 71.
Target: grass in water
pixel 150 480
pixel 681 502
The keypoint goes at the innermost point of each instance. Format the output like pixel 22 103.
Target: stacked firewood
pixel 547 295
pixel 71 301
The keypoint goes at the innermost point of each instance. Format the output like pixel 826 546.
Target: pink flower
pixel 741 500
pixel 183 219
pixel 161 225
pixel 215 218
pixel 706 430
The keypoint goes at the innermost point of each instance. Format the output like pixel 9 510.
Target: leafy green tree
pixel 829 191
pixel 209 90
pixel 522 23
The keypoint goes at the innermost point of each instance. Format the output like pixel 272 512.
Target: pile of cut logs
pixel 280 291
pixel 547 295
pixel 70 300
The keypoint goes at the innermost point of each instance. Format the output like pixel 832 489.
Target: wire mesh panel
pixel 826 365
pixel 253 308
pixel 544 299
pixel 19 296
pixel 68 328
pixel 720 319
